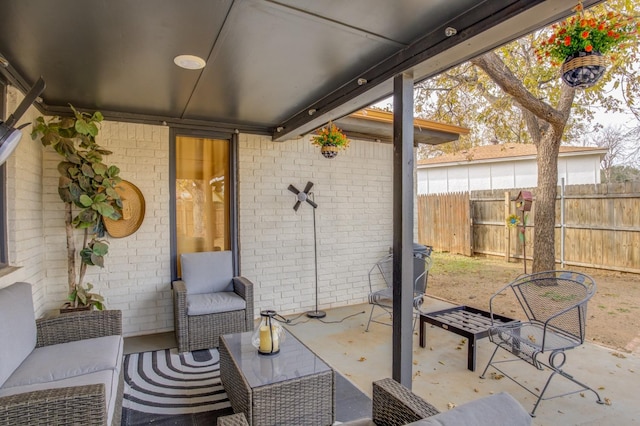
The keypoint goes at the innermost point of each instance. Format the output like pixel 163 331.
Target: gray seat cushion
pixel 214 303
pixel 207 272
pixel 358 422
pixel 59 362
pixel 495 410
pixel 17 327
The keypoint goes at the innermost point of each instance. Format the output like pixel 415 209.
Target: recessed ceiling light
pixel 189 62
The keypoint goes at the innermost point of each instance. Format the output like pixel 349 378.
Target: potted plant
pixel 330 139
pixel 87 187
pixel 579 43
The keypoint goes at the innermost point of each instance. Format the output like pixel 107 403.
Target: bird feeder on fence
pixel 523 201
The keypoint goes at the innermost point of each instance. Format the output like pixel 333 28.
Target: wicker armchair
pixel 209 301
pixel 69 405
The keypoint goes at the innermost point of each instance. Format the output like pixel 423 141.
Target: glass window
pixel 202 195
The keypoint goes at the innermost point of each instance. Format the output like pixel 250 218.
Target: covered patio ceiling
pixel 281 68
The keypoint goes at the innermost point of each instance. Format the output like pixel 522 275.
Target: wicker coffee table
pixel 293 387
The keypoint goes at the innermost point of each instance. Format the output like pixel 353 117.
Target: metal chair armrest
pixel 497 293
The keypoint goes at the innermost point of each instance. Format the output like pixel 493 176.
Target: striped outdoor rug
pixel 165 387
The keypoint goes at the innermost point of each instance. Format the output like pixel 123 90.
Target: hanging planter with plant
pixel 581 42
pixel 330 139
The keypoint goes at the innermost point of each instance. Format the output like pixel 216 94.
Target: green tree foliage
pixel 465 96
pixel 508 95
pixel 617 174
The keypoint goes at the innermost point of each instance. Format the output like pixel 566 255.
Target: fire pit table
pixel 464 321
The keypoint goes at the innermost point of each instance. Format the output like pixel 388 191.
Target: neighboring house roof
pixel 503 152
pixel 377 124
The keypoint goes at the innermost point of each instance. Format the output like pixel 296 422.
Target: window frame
pixel 4 247
pixel 233 195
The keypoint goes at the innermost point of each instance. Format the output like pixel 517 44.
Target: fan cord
pixel 290 321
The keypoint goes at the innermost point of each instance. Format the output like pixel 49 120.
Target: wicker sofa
pixel 62 370
pixel 395 405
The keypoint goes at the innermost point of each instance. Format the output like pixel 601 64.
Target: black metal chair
pixel 555 304
pixel 381 285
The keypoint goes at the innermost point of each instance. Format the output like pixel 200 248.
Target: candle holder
pixel 269 335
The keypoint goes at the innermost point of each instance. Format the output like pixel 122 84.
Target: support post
pixel 403 196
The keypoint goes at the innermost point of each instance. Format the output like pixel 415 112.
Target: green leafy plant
pixel 330 135
pixel 82 296
pixel 604 33
pixel 87 187
pixel 557 297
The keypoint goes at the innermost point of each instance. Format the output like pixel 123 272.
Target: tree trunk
pixel 71 247
pixel 544 258
pixel 83 266
pixel 548 147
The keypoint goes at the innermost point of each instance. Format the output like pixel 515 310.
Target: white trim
pixel 601 152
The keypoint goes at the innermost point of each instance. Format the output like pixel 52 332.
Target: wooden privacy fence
pixel 596 225
pixel 444 222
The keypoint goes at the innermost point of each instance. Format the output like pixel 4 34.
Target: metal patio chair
pixel 381 285
pixel 555 304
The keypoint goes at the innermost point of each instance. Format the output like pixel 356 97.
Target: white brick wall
pixel 354 221
pixel 136 277
pixel 138 271
pixel 24 204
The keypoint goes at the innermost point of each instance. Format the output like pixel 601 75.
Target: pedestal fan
pixel 302 197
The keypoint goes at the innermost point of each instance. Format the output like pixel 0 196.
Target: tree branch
pixel 532 125
pixel 491 64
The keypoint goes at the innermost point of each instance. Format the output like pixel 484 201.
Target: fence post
pixel 562 227
pixel 507 231
pixel 470 215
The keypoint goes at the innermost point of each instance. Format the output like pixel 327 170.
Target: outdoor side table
pixel 293 387
pixel 464 321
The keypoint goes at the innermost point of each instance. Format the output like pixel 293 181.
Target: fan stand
pixel 316 313
pixel 307 196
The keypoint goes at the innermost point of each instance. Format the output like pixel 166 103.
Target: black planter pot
pixel 583 69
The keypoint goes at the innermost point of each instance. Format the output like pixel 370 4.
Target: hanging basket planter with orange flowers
pixel 330 139
pixel 581 42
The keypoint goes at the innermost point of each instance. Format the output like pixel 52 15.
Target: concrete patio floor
pixel 440 373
